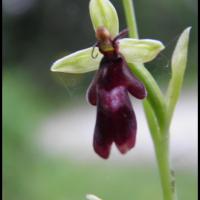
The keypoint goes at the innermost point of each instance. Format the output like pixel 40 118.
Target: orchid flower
pixel 115 121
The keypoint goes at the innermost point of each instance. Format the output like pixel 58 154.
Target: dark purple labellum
pixel 115 121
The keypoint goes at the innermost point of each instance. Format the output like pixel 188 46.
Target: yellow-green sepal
pixel 78 62
pixel 139 51
pixel 103 13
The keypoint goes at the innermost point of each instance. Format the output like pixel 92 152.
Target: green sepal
pixel 139 51
pixel 78 62
pixel 103 13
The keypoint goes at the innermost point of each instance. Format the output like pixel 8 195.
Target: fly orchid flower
pixel 116 121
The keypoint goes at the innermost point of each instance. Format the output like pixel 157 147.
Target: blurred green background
pixel 35 34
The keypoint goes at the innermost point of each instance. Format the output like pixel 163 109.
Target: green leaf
pixel 78 62
pixel 178 65
pixel 139 51
pixel 103 13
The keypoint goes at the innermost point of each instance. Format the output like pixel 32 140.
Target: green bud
pixel 92 197
pixel 178 65
pixel 179 57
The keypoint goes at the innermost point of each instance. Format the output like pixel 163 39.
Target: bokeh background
pixel 48 125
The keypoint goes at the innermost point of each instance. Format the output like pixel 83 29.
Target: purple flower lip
pixel 115 120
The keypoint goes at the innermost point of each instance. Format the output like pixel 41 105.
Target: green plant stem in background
pixel 130 18
pixel 154 107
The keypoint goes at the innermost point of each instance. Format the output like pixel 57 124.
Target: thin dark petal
pixel 120 35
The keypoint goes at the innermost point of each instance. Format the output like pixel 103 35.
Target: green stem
pixel 155 110
pixel 166 175
pixel 161 144
pixel 130 18
pixel 151 120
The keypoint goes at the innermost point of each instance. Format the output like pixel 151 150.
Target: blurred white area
pixel 69 133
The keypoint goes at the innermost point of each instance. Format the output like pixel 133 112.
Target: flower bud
pixel 92 197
